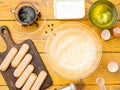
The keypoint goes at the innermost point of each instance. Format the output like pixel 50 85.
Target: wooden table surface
pixel 111 48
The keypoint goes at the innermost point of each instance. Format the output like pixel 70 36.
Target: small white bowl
pixel 69 9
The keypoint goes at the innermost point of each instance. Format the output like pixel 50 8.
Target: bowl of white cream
pixel 73 50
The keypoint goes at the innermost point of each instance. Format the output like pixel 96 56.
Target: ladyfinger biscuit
pixel 29 82
pixel 18 58
pixel 39 81
pixel 21 67
pixel 22 79
pixel 8 59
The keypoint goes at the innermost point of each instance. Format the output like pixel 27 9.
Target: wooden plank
pixel 101 71
pixel 88 3
pixel 40 45
pixel 88 87
pixel 44 6
pixel 4 88
pixel 92 87
pixel 2 81
pixel 9 5
pixel 39 37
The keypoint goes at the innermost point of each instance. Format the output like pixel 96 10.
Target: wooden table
pixel 111 48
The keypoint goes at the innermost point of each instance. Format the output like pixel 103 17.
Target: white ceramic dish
pixel 69 9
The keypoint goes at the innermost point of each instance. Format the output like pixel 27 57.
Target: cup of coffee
pixel 26 13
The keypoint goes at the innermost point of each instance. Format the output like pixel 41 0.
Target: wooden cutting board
pixel 36 62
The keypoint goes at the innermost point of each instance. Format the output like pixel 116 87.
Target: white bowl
pixel 69 9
